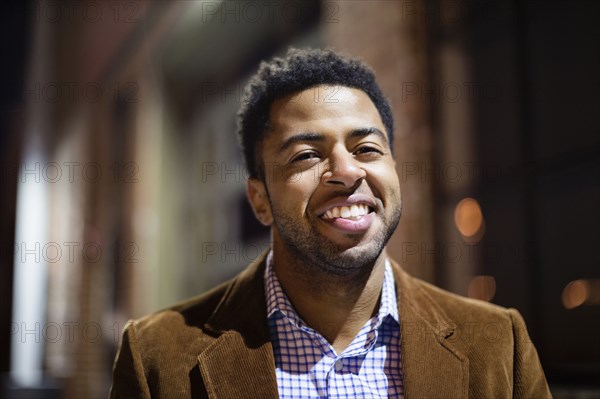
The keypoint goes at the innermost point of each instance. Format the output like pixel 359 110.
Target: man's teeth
pixel 347 212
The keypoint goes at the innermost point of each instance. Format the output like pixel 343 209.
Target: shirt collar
pixel 278 302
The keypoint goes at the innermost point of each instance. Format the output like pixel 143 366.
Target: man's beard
pixel 318 252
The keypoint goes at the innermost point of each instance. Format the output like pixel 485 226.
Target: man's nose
pixel 343 170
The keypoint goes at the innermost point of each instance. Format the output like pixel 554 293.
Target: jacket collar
pixel 431 363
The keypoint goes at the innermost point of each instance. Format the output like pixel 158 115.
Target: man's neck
pixel 335 306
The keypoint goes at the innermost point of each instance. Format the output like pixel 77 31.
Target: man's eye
pixel 368 150
pixel 305 156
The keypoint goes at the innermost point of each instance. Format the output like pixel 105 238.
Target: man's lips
pixel 358 225
pixel 360 202
pixel 352 214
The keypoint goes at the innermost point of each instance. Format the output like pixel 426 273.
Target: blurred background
pixel 123 186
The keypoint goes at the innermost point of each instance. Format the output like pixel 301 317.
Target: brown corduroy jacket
pixel 217 346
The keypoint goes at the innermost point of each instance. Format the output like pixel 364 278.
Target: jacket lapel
pixel 239 363
pixel 431 364
pixel 230 369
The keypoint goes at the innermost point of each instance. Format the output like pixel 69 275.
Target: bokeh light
pixel 581 292
pixel 469 219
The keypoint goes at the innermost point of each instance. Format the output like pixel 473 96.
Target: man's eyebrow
pixel 308 136
pixel 364 132
pixel 318 137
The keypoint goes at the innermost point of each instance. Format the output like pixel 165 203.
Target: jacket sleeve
pixel 129 379
pixel 528 376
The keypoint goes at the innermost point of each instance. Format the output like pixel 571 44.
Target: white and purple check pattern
pixel 307 365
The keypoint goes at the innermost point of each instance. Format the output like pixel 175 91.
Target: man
pixel 325 313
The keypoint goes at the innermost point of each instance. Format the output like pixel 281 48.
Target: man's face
pixel 330 190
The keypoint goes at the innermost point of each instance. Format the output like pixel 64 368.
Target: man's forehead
pixel 322 103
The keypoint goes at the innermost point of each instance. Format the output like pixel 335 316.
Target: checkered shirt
pixel 306 364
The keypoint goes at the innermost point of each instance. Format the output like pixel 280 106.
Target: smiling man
pixel 325 313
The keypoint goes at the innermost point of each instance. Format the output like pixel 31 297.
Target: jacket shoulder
pixel 186 316
pixel 491 339
pixel 158 353
pixel 473 323
pixel 175 335
pixel 458 307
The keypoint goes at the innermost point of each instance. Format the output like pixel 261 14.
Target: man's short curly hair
pixel 299 70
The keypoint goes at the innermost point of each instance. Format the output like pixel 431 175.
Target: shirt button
pixel 338 365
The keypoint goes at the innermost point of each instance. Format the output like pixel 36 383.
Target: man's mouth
pixel 352 212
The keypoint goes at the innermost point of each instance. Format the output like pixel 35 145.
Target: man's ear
pixel 259 201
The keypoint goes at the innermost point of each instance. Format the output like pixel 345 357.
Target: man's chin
pixel 353 245
pixel 348 260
